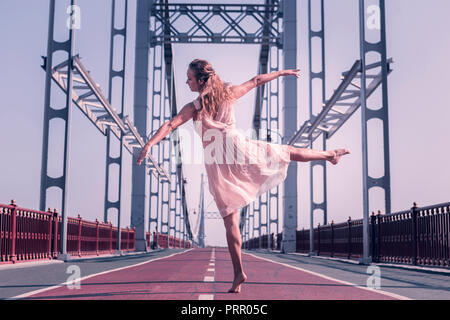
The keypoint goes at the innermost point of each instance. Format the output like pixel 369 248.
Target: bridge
pixel 165 252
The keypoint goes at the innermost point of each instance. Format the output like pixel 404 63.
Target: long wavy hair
pixel 213 91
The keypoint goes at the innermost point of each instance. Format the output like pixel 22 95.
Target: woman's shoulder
pixel 197 103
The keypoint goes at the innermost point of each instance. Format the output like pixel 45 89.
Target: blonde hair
pixel 213 91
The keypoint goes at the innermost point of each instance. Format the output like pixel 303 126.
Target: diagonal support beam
pixel 335 112
pixel 89 98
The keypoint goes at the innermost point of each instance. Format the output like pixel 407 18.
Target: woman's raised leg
pixel 305 155
pixel 234 241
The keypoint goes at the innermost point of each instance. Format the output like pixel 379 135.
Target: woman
pixel 234 184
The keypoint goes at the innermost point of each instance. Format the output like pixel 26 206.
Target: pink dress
pixel 239 169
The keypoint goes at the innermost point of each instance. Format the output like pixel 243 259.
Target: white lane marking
pixel 209 278
pixel 392 295
pixel 31 293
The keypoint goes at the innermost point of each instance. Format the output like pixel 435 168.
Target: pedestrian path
pixel 207 274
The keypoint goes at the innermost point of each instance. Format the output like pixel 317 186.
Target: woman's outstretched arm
pixel 240 90
pixel 184 115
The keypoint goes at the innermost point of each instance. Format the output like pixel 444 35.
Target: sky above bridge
pixel 419 101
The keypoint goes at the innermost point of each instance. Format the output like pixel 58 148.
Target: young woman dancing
pixel 259 166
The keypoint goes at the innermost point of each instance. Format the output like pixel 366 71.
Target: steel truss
pixel 264 214
pixel 88 97
pixel 357 85
pixel 168 210
pixel 81 89
pixel 219 23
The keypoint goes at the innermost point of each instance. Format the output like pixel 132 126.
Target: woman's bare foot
pixel 236 288
pixel 337 154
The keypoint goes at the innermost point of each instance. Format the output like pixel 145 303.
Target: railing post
pixel 12 234
pixel 379 236
pixel 373 238
pixel 304 248
pixel 110 236
pixel 79 235
pixel 55 233
pixel 414 211
pixel 50 232
pixel 349 240
pixel 318 239
pixel 97 236
pixel 332 238
pixel 152 241
pixel 134 239
pixel 128 245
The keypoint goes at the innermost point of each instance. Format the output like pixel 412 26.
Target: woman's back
pixel 223 120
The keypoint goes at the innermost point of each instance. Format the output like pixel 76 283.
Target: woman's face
pixel 192 82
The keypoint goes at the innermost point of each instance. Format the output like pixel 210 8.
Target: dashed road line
pixel 210 278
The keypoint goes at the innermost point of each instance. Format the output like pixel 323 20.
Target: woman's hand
pixel 291 72
pixel 143 154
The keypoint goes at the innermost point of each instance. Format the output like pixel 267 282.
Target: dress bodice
pixel 224 120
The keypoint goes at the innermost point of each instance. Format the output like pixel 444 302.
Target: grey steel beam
pixel 288 244
pixel 271 118
pixel 263 98
pixel 317 75
pixel 110 160
pixel 155 217
pixel 177 169
pixel 155 207
pixel 367 114
pixel 64 114
pixel 138 194
pixel 262 68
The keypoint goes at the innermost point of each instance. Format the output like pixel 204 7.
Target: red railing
pixel 165 241
pixel 27 234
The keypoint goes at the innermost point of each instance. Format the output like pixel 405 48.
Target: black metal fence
pixel 419 236
pixel 262 242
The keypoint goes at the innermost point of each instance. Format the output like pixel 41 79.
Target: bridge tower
pixel 155 33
